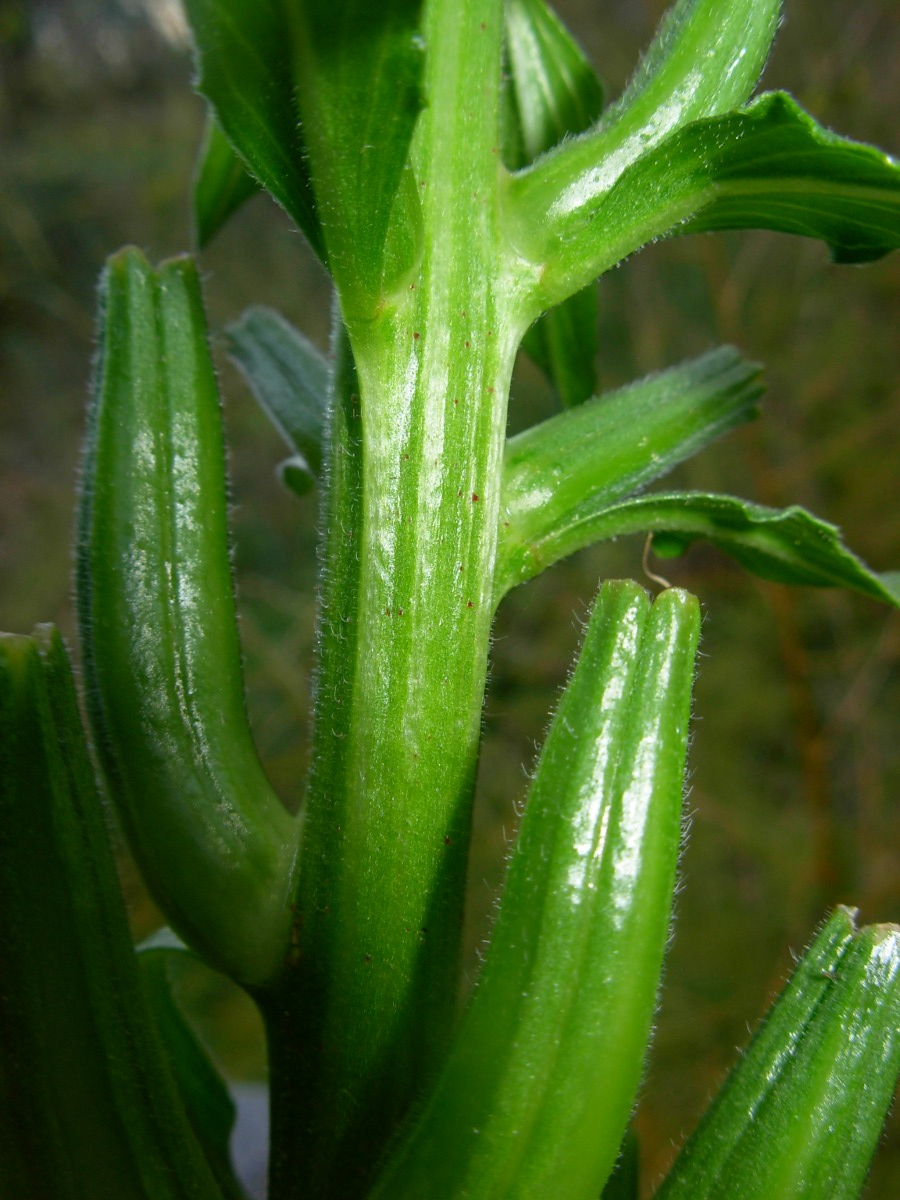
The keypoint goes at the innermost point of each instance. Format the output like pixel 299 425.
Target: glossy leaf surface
pixel 358 68
pixel 801 1113
pixel 537 1088
pixel 221 185
pixel 767 166
pixel 669 90
pixel 560 475
pixel 288 376
pixel 87 1104
pixel 156 611
pixel 246 72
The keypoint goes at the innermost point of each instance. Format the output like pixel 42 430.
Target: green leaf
pixel 245 70
pixel 555 93
pixel 288 376
pixel 359 71
pixel 562 192
pixel 624 1183
pixel 801 1113
pixel 539 1083
pixel 159 637
pixel 768 166
pixel 203 1091
pixel 88 1106
pixel 561 476
pixel 788 545
pixel 221 184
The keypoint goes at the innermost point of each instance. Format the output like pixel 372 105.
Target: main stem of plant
pixel 412 514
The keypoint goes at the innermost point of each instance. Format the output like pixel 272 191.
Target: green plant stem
pixel 412 515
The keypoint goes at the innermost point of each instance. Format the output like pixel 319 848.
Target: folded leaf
pixel 159 638
pixel 801 1113
pixel 539 1083
pixel 245 70
pixel 788 545
pixel 221 184
pixel 204 1093
pixel 767 166
pixel 88 1106
pixel 560 476
pixel 288 376
pixel 358 69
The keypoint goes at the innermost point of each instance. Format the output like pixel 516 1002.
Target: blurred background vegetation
pixel 794 799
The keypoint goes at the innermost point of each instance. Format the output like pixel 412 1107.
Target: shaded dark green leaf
pixel 221 184
pixel 246 71
pixel 359 71
pixel 88 1106
pixel 207 1101
pixel 288 376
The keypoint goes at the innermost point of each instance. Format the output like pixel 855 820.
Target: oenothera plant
pixel 451 164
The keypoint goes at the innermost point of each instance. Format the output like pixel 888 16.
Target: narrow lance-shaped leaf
pixel 538 1086
pixel 555 93
pixel 359 69
pixel 788 545
pixel 88 1106
pixel 245 70
pixel 288 376
pixel 221 183
pixel 561 474
pixel 801 1113
pixel 159 638
pixel 768 166
pixel 669 90
pixel 204 1093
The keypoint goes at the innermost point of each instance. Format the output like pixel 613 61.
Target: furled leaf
pixel 767 166
pixel 159 636
pixel 555 94
pixel 801 1113
pixel 221 183
pixel 246 71
pixel 288 376
pixel 204 1093
pixel 358 68
pixel 788 545
pixel 537 1088
pixel 88 1106
pixel 561 475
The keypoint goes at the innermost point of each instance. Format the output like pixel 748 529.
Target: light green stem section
pixel 412 519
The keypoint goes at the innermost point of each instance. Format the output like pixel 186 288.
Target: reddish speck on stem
pixel 475 497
